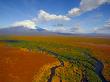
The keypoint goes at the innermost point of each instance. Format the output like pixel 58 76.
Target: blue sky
pixel 76 16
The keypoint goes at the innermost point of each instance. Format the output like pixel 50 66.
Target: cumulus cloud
pixel 87 5
pixel 104 28
pixel 74 11
pixel 41 16
pixel 26 23
pixel 44 16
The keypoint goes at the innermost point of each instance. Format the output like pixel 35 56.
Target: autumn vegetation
pixel 71 50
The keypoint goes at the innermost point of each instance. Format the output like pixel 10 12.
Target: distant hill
pixel 21 30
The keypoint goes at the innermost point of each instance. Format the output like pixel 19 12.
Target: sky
pixel 70 16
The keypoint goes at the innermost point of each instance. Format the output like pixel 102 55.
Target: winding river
pixel 98 66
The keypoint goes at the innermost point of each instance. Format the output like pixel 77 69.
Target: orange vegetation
pixel 17 65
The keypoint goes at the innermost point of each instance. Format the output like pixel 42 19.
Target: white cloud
pixel 44 16
pixel 26 23
pixel 74 11
pixel 104 28
pixel 87 5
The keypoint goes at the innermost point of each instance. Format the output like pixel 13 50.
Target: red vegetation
pixel 17 65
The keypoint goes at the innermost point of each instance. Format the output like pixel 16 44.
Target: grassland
pixel 80 58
